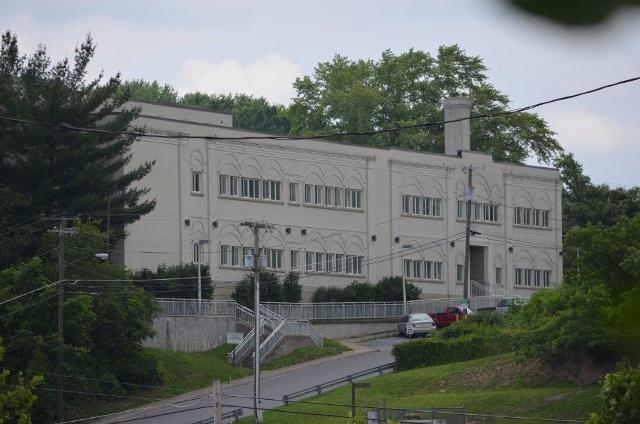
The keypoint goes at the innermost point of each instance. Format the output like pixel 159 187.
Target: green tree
pixel 574 13
pixel 271 289
pixel 49 170
pixel 16 396
pixel 345 95
pixel 291 288
pixel 152 92
pixel 584 202
pixel 105 322
pixel 175 281
pixel 389 289
pixel 621 395
pixel 252 113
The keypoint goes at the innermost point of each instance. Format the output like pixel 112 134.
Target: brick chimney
pixel 457 135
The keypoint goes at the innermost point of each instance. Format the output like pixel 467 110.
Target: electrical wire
pixel 317 136
pixel 29 292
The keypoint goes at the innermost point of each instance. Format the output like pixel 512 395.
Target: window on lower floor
pixel 406 204
pixel 317 199
pixel 319 261
pixel 293 263
pixel 225 253
pixel 274 258
pixel 250 188
pixel 271 190
pixel 309 261
pixel 307 193
pixel 329 264
pixel 353 198
pixel 223 184
pixel 354 264
pixel 328 196
pixel 339 263
pixel 235 256
pixel 233 186
pixel 197 253
pixel 498 276
pixel 459 272
pixel 339 197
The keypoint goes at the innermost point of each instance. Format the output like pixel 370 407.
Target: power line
pixel 317 136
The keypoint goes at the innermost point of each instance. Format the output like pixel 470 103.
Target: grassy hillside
pixel 496 386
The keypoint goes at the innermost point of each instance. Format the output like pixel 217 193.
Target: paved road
pixel 275 384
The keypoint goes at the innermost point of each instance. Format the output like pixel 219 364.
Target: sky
pixel 260 47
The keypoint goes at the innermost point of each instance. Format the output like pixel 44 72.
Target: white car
pixel 416 325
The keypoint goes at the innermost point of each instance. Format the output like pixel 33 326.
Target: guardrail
pixel 235 414
pixel 317 390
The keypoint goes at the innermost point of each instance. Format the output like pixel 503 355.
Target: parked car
pixel 416 325
pixel 505 304
pixel 450 315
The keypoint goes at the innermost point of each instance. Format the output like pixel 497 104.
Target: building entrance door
pixel 477 271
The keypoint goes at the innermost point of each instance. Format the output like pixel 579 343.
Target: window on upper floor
pixel 480 212
pixel 339 197
pixel 250 188
pixel 406 203
pixel 309 261
pixel 328 196
pixel 196 182
pixel 531 217
pixel 271 190
pixel 223 184
pixel 197 253
pixel 274 258
pixel 307 193
pixel 233 186
pixel 293 192
pixel 353 198
pixel 339 263
pixel 422 206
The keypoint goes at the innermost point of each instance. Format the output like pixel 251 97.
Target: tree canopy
pixel 345 95
pixel 47 170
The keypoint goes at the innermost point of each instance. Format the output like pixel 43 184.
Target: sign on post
pixel 234 337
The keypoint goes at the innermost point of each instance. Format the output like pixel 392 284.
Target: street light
pixel 404 278
pixel 200 243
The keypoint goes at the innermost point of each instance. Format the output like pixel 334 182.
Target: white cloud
pixel 587 132
pixel 270 76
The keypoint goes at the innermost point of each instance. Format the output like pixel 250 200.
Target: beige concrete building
pixel 343 212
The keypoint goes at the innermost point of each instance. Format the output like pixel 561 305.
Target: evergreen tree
pixel 47 169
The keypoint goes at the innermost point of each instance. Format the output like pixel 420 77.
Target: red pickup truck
pixel 451 315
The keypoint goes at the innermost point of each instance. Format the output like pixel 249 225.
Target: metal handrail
pixel 337 382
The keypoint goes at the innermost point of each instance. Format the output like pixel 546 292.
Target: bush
pixel 176 281
pixel 271 290
pixel 435 351
pixel 389 289
pixel 621 394
pixel 291 288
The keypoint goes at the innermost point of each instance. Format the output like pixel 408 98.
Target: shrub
pixel 389 289
pixel 291 288
pixel 435 351
pixel 176 281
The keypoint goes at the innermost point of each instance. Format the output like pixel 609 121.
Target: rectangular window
pixel 417 269
pixel 196 182
pixel 246 251
pixel 271 190
pixel 328 196
pixel 436 207
pixel 250 188
pixel 319 260
pixel 426 206
pixel 528 277
pixel 459 272
pixel 307 193
pixel 318 195
pixel 437 270
pixel 339 197
pixel 293 192
pixel 519 277
pixel 223 184
pixel 406 203
pixel 339 263
pixel 293 263
pixel 428 269
pixel 274 258
pixel 526 216
pixel 349 264
pixel 535 217
pixel 407 268
pixel 477 211
pixel 329 265
pixel 493 213
pixel 537 278
pixel 545 218
pixel 498 276
pixel 353 198
pixel 235 256
pixel 359 265
pixel 415 208
pixel 309 261
pixel 233 186
pixel 517 216
pixel 224 255
pixel 461 209
pixel 197 253
pixel 546 278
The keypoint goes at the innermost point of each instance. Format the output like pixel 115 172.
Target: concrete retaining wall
pixel 190 334
pixel 347 330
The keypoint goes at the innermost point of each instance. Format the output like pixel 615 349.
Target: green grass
pixel 304 354
pixel 454 385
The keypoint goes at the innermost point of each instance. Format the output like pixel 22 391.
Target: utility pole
pixel 60 366
pixel 62 230
pixel 467 238
pixel 255 227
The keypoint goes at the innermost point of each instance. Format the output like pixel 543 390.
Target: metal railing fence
pixel 191 307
